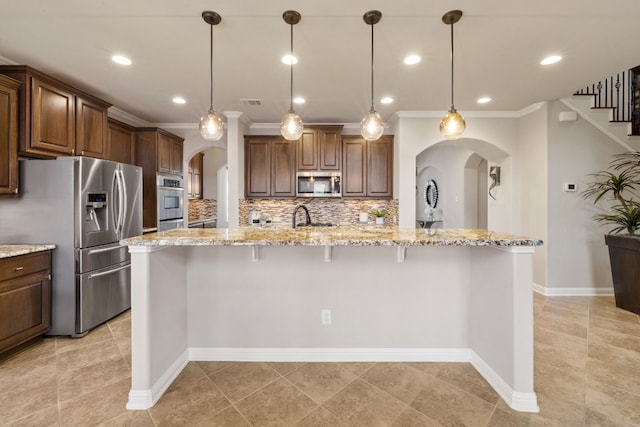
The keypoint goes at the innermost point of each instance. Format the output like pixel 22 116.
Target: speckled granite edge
pixel 334 236
pixel 7 251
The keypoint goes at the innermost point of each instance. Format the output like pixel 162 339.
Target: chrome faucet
pixel 306 213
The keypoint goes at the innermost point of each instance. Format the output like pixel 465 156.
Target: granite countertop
pixel 7 251
pixel 329 236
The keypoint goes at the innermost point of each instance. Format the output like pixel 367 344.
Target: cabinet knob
pixel 18 268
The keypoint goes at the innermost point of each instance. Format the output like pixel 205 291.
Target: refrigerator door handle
pixel 115 215
pixel 104 273
pixel 125 201
pixel 98 251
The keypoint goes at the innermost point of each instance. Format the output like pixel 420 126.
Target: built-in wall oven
pixel 170 202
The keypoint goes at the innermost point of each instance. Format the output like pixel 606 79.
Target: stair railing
pixel 614 92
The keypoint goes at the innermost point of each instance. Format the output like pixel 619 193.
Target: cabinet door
pixel 194 181
pixel 380 167
pixel 91 129
pixel 121 143
pixel 176 157
pixel 307 150
pixel 53 120
pixel 165 147
pixel 354 171
pixel 283 168
pixel 257 167
pixel 8 136
pixel 198 163
pixel 190 183
pixel 330 148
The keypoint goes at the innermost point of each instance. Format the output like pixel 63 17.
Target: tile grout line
pixel 232 403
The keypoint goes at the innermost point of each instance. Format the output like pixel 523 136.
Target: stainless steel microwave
pixel 318 184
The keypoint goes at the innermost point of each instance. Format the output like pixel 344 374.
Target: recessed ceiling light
pixel 122 60
pixel 484 100
pixel 551 60
pixel 412 59
pixel 299 100
pixel 386 100
pixel 288 58
pixel 179 100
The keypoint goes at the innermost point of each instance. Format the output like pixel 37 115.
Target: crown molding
pixel 130 119
pixel 475 114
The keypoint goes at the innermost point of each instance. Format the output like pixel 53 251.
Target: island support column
pixel 159 348
pixel 501 322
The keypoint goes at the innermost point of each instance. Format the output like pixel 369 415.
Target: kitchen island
pixel 332 294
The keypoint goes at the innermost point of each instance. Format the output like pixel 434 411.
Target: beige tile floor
pixel 587 373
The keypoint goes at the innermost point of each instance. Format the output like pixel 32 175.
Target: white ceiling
pixel 498 47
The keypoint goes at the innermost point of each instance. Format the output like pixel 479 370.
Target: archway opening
pixel 460 171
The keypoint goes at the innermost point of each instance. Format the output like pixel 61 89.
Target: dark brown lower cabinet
pixel 25 298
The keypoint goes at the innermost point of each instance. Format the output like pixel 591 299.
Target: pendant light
pixel 453 124
pixel 371 126
pixel 211 126
pixel 291 126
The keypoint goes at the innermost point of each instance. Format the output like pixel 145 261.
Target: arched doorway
pixel 460 171
pixel 207 172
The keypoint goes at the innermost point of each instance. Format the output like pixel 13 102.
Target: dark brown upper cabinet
pixel 320 148
pixel 367 167
pixel 8 136
pixel 56 119
pixel 121 139
pixel 270 163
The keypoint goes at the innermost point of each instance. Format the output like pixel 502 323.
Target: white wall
pixel 577 256
pixel 213 159
pixel 449 162
pixel 531 199
pixel 492 138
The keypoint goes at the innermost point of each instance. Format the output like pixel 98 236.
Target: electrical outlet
pixel 325 317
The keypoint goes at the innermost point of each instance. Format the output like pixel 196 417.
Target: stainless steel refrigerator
pixel 85 207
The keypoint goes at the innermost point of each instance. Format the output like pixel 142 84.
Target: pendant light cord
pixel 291 72
pixel 372 67
pixel 211 69
pixel 452 107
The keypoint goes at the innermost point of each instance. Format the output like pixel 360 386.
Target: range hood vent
pixel 254 102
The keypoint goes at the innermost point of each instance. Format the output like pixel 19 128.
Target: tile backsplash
pixel 202 208
pixel 321 210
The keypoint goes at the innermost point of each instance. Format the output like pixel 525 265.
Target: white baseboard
pixel 139 400
pixel 329 354
pixel 145 399
pixel 572 292
pixel 519 401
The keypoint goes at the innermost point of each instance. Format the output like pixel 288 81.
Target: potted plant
pixel 619 187
pixel 379 214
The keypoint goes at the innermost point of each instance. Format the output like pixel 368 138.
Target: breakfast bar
pixel 346 293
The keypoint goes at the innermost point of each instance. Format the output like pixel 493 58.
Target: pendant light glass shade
pixel 291 126
pixel 371 126
pixel 211 126
pixel 452 125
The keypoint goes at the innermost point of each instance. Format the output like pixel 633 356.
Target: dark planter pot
pixel 624 254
